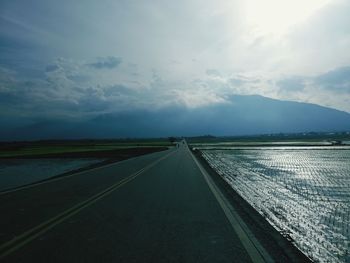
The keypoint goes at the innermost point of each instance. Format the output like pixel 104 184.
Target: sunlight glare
pixel 277 16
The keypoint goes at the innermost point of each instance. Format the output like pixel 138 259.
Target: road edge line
pixel 255 250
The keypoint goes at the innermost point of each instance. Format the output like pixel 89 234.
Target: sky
pixel 79 59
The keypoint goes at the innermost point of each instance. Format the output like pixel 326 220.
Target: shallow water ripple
pixel 304 193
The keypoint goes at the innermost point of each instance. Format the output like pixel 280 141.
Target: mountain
pixel 240 115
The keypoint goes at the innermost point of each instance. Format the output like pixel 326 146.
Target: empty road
pixel 160 207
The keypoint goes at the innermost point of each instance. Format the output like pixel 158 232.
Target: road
pixel 159 207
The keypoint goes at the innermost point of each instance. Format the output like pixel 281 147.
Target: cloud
pixel 50 68
pixel 239 80
pixel 320 43
pixel 106 63
pixel 236 81
pixel 331 89
pixel 291 83
pixel 73 90
pixel 336 80
pixel 79 78
pixel 213 72
pixel 189 53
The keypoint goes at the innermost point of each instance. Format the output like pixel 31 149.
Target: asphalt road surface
pixel 159 207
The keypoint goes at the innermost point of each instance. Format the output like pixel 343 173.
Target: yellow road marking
pixel 23 239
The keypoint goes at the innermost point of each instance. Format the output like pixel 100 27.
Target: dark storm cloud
pixel 107 63
pixel 116 90
pixel 50 68
pixel 62 94
pixel 78 78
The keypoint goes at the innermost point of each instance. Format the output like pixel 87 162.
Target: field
pixel 310 138
pixel 304 192
pixel 23 163
pixel 41 148
pixel 18 172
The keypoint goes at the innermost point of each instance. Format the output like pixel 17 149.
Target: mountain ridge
pixel 239 115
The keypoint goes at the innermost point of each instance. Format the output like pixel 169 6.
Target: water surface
pixel 303 192
pixel 18 172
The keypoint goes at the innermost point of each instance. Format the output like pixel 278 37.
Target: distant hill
pixel 241 115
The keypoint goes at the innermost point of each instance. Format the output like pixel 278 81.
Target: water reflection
pixel 14 173
pixel 303 192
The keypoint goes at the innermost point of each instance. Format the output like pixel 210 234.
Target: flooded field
pixel 303 192
pixel 18 172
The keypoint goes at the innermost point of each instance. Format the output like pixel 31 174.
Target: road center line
pixel 23 239
pixel 51 180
